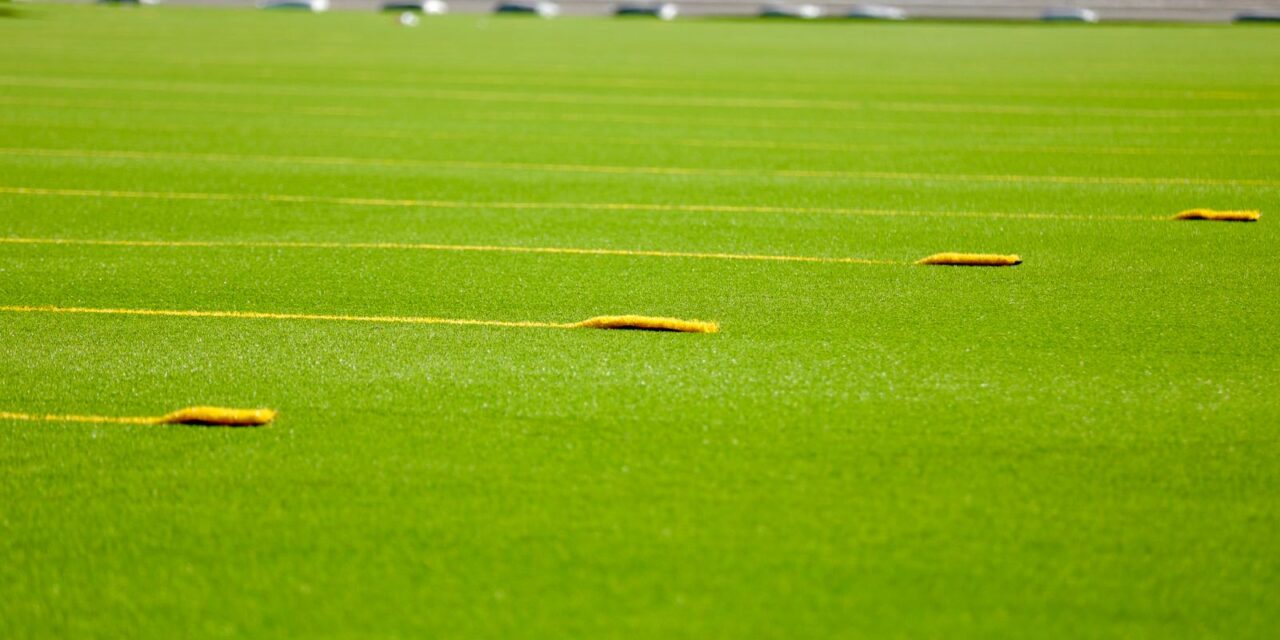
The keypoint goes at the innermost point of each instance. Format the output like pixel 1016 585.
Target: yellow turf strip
pixel 438 247
pixel 219 416
pixel 601 322
pixel 582 206
pixel 971 260
pixel 1219 216
pixel 634 170
pixel 214 416
pixel 648 323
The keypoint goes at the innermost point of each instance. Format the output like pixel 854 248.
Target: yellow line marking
pixel 732 102
pixel 598 322
pixel 259 315
pixel 698 143
pixel 636 170
pixel 8 415
pixel 437 247
pixel 578 206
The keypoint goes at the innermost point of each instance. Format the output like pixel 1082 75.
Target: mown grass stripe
pixel 696 143
pixel 639 100
pixel 580 206
pixel 848 125
pixel 198 107
pixel 439 247
pixel 543 80
pixel 123 154
pixel 346 112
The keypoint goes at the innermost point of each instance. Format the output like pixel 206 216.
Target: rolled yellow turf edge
pixel 219 416
pixel 971 260
pixel 209 416
pixel 649 323
pixel 1219 216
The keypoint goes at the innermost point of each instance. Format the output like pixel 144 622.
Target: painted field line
pixel 598 322
pixel 534 206
pixel 39 417
pixel 614 118
pixel 697 143
pixel 258 315
pixel 403 246
pixel 476 165
pixel 639 100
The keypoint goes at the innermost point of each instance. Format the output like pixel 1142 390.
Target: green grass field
pixel 1081 446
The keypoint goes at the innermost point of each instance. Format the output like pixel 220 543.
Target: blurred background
pixel 1163 10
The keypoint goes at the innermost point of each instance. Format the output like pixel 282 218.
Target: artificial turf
pixel 1080 446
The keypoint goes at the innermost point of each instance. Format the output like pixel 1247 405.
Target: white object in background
pixel 316 6
pixel 800 11
pixel 426 7
pixel 1069 14
pixel 663 11
pixel 543 8
pixel 876 12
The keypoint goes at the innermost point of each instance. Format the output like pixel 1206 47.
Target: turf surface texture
pixel 1083 445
